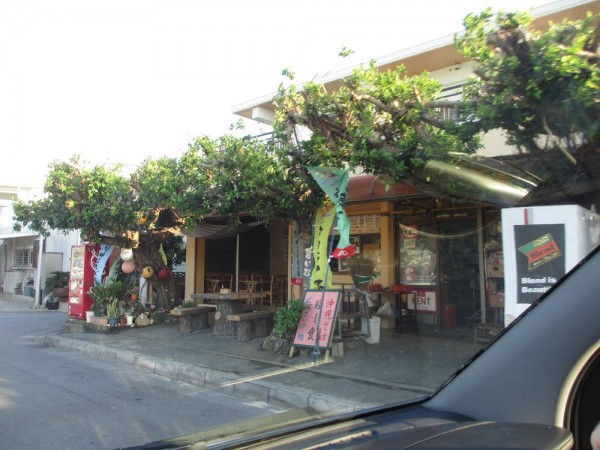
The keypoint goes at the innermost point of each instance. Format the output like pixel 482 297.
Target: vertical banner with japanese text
pixel 335 184
pixel 320 279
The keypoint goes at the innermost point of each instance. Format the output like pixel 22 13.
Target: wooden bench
pixel 190 319
pixel 252 324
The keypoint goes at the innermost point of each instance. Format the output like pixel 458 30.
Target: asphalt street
pixel 54 398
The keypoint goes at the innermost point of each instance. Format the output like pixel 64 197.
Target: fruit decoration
pixel 126 254
pixel 128 266
pixel 147 272
pixel 164 273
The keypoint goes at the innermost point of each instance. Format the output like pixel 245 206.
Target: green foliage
pixel 287 318
pixel 92 200
pixel 105 293
pixel 112 309
pixel 188 304
pixel 541 87
pixel 247 176
pixel 229 176
pixel 385 122
pixel 56 279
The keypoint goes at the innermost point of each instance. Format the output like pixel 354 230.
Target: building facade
pixel 26 258
pixel 447 251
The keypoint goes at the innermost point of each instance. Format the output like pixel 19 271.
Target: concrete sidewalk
pixel 23 303
pixel 400 367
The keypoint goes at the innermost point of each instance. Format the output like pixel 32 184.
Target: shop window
pixel 366 245
pixel 418 257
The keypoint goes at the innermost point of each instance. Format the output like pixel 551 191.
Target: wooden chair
pixel 266 292
pixel 211 282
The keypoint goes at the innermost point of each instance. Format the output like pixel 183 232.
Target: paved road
pixel 52 398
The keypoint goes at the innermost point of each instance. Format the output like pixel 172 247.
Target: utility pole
pixel 37 303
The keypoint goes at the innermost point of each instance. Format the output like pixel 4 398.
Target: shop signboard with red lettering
pixel 426 300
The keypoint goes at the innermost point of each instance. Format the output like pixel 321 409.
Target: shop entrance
pixel 459 269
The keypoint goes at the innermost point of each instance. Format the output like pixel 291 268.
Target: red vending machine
pixel 83 261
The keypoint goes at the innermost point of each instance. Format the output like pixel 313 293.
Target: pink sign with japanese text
pixel 310 325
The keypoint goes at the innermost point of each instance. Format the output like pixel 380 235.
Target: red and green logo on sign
pixel 540 251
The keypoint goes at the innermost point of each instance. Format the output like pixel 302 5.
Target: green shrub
pixel 188 304
pixel 286 319
pixel 56 279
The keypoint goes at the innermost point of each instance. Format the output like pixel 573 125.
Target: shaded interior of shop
pixel 252 254
pixel 222 255
pixel 445 255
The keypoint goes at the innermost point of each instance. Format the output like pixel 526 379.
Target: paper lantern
pixel 128 266
pixel 126 254
pixel 147 272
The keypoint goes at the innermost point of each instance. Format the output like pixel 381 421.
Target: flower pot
pixel 99 320
pixel 62 293
pixel 129 320
pixel 113 321
pixel 88 316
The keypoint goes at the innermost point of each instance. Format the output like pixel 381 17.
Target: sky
pixel 120 81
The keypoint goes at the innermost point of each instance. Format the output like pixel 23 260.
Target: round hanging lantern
pixel 147 272
pixel 126 254
pixel 163 274
pixel 128 266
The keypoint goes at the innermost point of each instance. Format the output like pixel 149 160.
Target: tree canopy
pixel 539 87
pixel 228 178
pixel 386 123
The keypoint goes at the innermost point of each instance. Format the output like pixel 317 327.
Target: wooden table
pixel 230 303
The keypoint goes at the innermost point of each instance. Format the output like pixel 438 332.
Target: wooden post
pixel 263 327
pixel 245 331
pixel 185 324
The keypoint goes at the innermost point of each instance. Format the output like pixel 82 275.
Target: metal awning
pixel 219 231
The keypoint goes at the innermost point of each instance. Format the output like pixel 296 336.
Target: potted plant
pixel 104 293
pixel 58 283
pixel 112 311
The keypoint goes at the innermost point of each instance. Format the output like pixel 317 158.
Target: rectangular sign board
pixel 311 324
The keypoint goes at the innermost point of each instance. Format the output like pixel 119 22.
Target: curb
pixel 251 388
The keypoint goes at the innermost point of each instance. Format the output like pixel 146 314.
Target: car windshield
pixel 366 233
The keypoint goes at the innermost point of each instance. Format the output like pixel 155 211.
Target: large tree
pixel 539 87
pixel 386 123
pixel 229 178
